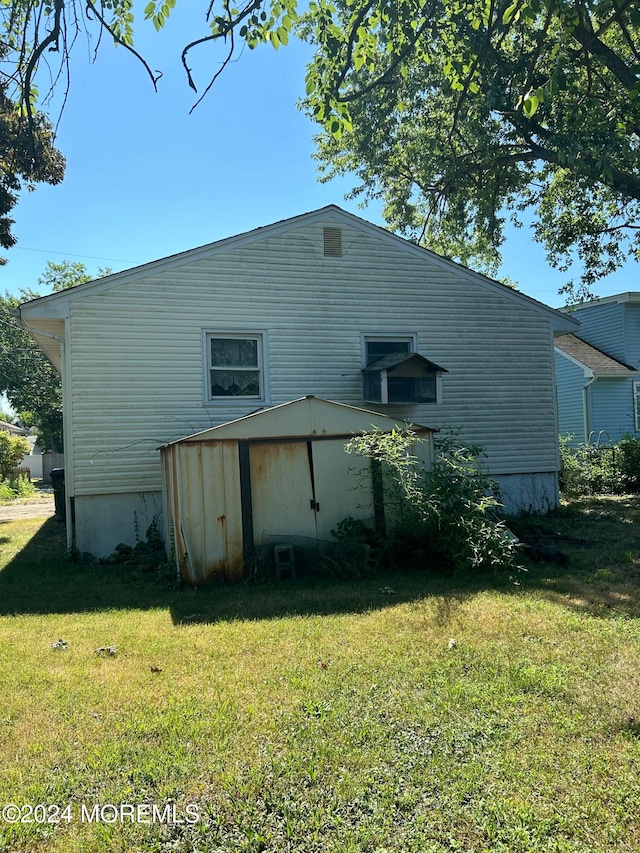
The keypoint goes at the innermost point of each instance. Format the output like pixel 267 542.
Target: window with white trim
pixel 636 404
pixel 376 347
pixel 235 366
pixel 395 374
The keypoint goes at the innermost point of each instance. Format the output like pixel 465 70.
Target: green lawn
pixel 453 715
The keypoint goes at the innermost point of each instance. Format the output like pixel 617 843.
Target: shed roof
pixel 590 357
pixel 309 417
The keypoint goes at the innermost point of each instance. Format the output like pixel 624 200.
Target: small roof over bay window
pixel 402 378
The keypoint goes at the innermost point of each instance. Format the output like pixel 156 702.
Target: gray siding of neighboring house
pixel 611 409
pixel 603 326
pixel 632 334
pixel 570 380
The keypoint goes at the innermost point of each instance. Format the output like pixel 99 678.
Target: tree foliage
pixel 27 154
pixel 458 113
pixel 12 449
pixel 462 113
pixel 27 377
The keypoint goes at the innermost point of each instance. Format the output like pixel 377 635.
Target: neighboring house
pixel 301 307
pixel 597 371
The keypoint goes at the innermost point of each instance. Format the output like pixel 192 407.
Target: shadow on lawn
pixel 40 579
pixel 600 536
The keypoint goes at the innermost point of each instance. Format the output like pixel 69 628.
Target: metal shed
pixel 282 471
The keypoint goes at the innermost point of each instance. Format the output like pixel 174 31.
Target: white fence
pixel 41 465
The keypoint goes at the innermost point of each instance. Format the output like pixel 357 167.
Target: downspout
pixel 63 353
pixel 585 406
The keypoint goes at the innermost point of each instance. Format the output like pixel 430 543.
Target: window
pixel 394 373
pixel 377 348
pixel 235 366
pixel 636 404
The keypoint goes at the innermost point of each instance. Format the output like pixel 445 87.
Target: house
pixel 301 307
pixel 598 371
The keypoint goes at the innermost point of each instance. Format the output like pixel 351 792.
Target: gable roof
pixel 57 304
pixel 307 418
pixel 591 358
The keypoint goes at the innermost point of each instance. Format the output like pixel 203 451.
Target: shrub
pixel 17 485
pixel 446 515
pixel 589 470
pixel 627 459
pixel 148 555
pixel 12 449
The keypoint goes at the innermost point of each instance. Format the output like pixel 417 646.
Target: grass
pixel 455 714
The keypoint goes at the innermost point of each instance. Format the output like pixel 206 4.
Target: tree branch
pixel 90 8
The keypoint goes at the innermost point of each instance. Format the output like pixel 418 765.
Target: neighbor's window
pixel 235 366
pixel 636 404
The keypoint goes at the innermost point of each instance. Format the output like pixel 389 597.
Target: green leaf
pixel 510 12
pixel 530 105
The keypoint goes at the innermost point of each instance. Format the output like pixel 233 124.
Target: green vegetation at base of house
pixel 410 712
pixel 591 470
pixel 445 515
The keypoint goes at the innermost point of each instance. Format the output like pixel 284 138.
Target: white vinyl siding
pixel 138 371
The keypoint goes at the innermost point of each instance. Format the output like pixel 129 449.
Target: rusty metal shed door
pixel 282 489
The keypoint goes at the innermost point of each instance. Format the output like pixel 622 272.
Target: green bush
pixel 627 459
pixel 589 470
pixel 17 485
pixel 12 449
pixel 446 516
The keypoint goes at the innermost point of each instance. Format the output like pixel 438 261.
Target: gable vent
pixel 332 242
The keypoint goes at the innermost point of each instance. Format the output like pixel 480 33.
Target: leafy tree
pixel 27 155
pixel 463 113
pixel 458 113
pixel 29 380
pixel 12 449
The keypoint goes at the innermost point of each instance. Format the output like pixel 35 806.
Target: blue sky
pixel 145 179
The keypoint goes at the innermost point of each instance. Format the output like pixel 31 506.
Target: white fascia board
pixel 588 372
pixel 616 374
pixel 56 304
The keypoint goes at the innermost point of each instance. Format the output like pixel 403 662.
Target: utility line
pixel 73 255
